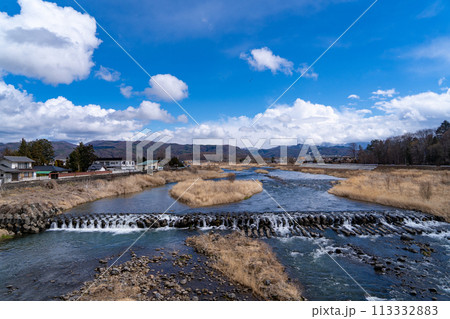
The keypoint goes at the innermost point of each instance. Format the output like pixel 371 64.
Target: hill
pixel 107 148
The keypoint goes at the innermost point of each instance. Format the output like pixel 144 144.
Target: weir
pixel 264 224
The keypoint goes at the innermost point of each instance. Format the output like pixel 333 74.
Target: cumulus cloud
pixel 421 107
pixel 324 123
pixel 126 90
pixel 182 118
pixel 47 42
pixel 166 87
pixel 441 81
pixel 378 94
pixel 60 119
pixel 353 96
pixel 107 74
pixel 147 111
pixel 264 59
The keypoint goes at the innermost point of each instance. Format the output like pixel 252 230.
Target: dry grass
pixel 249 262
pixel 236 167
pixel 343 173
pixel 208 193
pixel 71 194
pixel 261 171
pixel 193 173
pixel 118 291
pixel 423 190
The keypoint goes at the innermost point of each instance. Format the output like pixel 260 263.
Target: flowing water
pixel 337 249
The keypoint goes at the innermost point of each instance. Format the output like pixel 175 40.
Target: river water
pixel 330 267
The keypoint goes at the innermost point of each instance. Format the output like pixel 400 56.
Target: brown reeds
pixel 249 262
pixel 71 194
pixel 208 193
pixel 424 190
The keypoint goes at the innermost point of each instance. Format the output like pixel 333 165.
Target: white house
pixel 116 164
pixel 16 169
pixel 149 165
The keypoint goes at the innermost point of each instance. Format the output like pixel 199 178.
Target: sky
pixel 220 69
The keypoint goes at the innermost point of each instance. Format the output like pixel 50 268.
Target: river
pixel 331 266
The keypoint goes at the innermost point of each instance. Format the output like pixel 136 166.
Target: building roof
pixel 51 168
pixel 95 167
pixel 7 169
pixel 149 162
pixel 18 159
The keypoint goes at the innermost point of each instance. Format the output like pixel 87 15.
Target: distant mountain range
pixel 183 152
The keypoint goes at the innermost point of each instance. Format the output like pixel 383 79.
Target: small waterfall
pixel 264 224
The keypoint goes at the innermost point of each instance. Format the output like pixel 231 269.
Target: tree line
pixel 40 150
pixel 424 147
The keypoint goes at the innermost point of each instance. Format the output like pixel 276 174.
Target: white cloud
pixel 432 10
pixel 107 74
pixel 309 73
pixel 323 123
pixel 383 93
pixel 353 96
pixel 47 42
pixel 420 107
pixel 166 87
pixel 182 118
pixel 126 91
pixel 263 59
pixel 441 81
pixel 436 49
pixel 60 119
pixel 147 111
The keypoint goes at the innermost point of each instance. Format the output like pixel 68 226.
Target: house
pixel 16 169
pixel 96 168
pixel 116 164
pixel 149 165
pixel 49 170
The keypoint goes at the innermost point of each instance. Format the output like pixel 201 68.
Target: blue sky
pixel 208 51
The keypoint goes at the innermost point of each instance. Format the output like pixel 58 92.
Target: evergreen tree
pixel 424 147
pixel 81 157
pixel 175 162
pixel 445 126
pixel 41 151
pixel 23 148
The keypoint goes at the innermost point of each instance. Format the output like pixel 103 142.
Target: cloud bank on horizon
pixel 57 45
pixel 60 119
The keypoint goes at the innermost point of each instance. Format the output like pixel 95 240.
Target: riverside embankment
pixel 27 209
pixel 424 188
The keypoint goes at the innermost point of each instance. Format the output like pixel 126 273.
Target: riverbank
pixel 337 172
pixel 27 210
pixel 424 190
pixel 249 262
pixel 208 193
pixel 231 267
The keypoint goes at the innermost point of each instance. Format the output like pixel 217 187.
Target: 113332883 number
pixel 382 310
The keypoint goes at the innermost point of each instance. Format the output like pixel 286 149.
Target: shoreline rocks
pixel 160 278
pixel 26 219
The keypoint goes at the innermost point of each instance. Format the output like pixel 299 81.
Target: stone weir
pixel 268 224
pixel 28 218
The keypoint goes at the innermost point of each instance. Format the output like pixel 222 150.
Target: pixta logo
pixel 142 148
